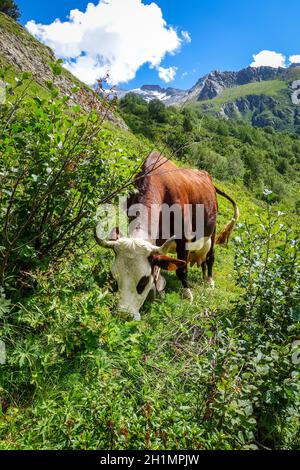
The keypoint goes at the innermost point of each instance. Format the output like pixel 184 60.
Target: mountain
pixel 21 52
pixel 150 92
pixel 261 96
pixel 212 84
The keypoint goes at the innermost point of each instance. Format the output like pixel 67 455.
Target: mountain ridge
pixel 261 96
pixel 168 95
pixel 213 83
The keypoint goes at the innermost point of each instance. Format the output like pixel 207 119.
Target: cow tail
pixel 223 237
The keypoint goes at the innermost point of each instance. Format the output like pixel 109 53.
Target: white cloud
pixel 118 36
pixel 167 75
pixel 269 58
pixel 294 59
pixel 186 36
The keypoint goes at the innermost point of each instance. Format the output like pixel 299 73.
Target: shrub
pixel 57 163
pixel 267 265
pixel 157 111
pixel 10 8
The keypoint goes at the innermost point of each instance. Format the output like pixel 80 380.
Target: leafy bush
pixel 57 163
pixel 267 265
pixel 10 8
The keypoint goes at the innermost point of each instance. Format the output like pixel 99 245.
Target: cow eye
pixel 142 284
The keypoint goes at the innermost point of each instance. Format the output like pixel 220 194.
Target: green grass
pixel 80 376
pixel 269 88
pixel 92 379
pixel 11 26
pixel 19 33
pixel 188 376
pixel 33 87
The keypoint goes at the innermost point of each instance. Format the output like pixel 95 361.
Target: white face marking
pixel 132 271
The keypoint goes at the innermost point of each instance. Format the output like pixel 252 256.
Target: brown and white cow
pixel 139 257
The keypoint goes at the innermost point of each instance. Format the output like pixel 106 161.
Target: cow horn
pixel 166 246
pixel 101 242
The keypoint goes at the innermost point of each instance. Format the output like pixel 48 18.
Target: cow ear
pixel 166 262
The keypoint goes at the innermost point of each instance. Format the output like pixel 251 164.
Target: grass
pixel 269 88
pixel 19 33
pixel 11 26
pixel 34 88
pixel 80 376
pixel 103 381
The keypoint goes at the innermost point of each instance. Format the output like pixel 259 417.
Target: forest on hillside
pixel 229 150
pixel 220 373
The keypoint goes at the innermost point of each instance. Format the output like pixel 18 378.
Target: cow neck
pixel 146 226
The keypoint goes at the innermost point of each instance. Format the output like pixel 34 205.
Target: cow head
pixel 135 267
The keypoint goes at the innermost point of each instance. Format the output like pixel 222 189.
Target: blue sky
pixel 224 33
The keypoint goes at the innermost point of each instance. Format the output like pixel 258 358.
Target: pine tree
pixel 10 8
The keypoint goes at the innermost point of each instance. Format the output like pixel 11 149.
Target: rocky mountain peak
pixel 211 85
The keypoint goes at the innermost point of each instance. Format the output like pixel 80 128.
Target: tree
pixel 157 110
pixel 187 123
pixel 134 104
pixel 10 8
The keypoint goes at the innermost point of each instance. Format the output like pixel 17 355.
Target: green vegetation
pixel 10 8
pixel 262 104
pixel 220 373
pixel 7 24
pixel 52 176
pixel 269 88
pixel 228 150
pixel 14 37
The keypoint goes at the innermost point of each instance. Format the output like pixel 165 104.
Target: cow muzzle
pixel 130 311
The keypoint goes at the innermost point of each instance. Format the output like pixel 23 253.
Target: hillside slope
pixel 261 158
pixel 262 104
pixel 21 52
pixel 212 84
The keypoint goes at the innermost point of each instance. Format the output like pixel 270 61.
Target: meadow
pixel 221 373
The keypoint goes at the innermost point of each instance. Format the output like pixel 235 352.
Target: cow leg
pixel 182 272
pixel 210 259
pixel 204 270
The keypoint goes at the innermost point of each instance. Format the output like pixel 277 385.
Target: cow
pixel 140 256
